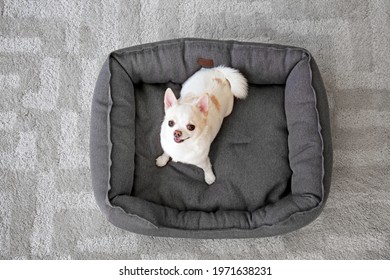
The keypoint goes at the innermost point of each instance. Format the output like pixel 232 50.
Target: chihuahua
pixel 192 122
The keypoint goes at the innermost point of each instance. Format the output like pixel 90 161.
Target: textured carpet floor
pixel 50 54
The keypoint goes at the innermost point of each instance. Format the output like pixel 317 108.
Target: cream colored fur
pixel 206 99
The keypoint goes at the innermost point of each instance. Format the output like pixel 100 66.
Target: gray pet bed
pixel 272 157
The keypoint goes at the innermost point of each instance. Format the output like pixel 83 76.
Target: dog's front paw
pixel 162 160
pixel 209 177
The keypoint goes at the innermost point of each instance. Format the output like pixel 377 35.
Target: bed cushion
pixel 272 157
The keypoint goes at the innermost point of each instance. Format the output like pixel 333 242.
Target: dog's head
pixel 184 120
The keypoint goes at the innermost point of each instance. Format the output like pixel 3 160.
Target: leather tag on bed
pixel 206 63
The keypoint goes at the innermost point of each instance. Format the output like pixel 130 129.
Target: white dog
pixel 192 122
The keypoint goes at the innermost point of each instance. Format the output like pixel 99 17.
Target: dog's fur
pixel 192 122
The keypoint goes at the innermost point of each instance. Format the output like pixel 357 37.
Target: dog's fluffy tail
pixel 238 83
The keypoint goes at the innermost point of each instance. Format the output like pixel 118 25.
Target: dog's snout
pixel 177 133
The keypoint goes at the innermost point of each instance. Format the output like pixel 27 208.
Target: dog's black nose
pixel 177 133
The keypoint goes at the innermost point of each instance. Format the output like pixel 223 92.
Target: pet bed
pixel 272 157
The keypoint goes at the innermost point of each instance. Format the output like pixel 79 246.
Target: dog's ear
pixel 203 104
pixel 169 99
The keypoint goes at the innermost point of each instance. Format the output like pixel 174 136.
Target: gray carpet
pixel 50 53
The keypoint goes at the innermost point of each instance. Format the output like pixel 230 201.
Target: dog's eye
pixel 190 127
pixel 171 123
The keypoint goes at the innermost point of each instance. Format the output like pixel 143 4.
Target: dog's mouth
pixel 179 140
